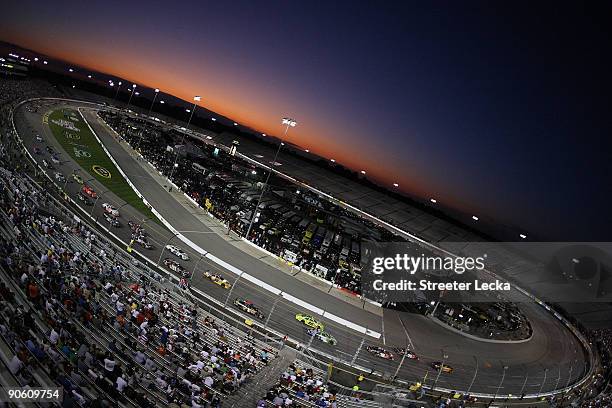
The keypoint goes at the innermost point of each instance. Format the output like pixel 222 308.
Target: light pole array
pixel 175 165
pixel 288 122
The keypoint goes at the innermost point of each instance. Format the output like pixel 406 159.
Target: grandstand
pixel 79 312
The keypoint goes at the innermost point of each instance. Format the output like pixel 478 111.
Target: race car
pixel 142 241
pixel 217 279
pixel 323 336
pixel 110 210
pixel 248 307
pixel 380 352
pixel 38 138
pixel 444 368
pixel 400 351
pixel 174 250
pixel 89 192
pixel 60 177
pixel 112 221
pixel 77 178
pixel 84 199
pixel 173 265
pixel 137 229
pixel 309 321
pixel 55 159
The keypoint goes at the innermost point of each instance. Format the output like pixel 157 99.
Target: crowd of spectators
pixel 599 392
pixel 300 384
pixel 79 314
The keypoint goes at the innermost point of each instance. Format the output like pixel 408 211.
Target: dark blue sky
pixel 498 109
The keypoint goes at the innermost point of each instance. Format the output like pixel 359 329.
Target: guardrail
pixel 296 300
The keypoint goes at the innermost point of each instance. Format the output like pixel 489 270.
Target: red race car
pixel 89 192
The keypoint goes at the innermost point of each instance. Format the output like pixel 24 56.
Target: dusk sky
pixel 498 109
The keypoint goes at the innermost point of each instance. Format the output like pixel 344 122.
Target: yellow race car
pixel 309 321
pixel 217 279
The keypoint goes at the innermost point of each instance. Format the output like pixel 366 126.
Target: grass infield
pixel 71 131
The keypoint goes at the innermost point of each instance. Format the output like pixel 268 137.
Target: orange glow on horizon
pixel 225 97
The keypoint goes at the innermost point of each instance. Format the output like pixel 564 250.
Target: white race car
pixel 176 251
pixel 110 210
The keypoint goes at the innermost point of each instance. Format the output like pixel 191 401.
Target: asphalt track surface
pixel 552 358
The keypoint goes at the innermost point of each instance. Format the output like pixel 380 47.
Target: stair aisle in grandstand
pixel 249 394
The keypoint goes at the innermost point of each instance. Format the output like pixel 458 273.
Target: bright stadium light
pixel 263 134
pixel 332 160
pixel 197 98
pixel 70 70
pixel 433 200
pixel 35 58
pixel 131 94
pixel 187 110
pixel 45 62
pixel 523 236
pixel 89 76
pixel 395 185
pixel 213 119
pixel 153 102
pixel 475 218
pixel 162 102
pixel 363 172
pixel 119 83
pixel 137 93
pixel 235 124
pixel 307 151
pixel 289 123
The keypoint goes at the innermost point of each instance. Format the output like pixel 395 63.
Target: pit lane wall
pixel 294 299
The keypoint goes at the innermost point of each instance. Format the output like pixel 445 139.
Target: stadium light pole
pixel 288 122
pixel 154 98
pixel 131 94
pixel 117 91
pixel 174 165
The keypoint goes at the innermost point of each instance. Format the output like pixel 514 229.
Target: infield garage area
pixel 71 131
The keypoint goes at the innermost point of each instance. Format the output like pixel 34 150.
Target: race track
pixel 552 358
